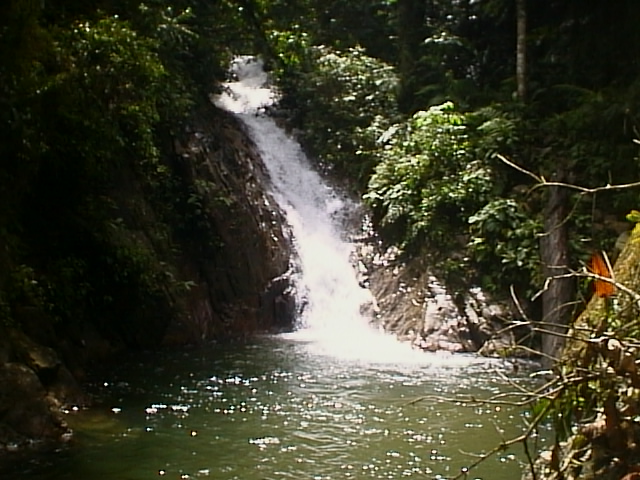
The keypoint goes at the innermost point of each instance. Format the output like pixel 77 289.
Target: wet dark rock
pixel 239 281
pixel 43 361
pixel 27 412
pixel 279 306
pixel 34 384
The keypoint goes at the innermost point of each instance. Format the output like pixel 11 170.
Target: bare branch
pixel 588 274
pixel 521 169
pixel 507 443
pixel 516 301
pixel 585 190
pixel 542 182
pixel 606 360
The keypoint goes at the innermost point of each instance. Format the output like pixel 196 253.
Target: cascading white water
pixel 327 281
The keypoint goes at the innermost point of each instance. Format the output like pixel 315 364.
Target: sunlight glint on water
pixel 273 410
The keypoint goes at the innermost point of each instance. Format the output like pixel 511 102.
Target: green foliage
pixel 504 245
pixel 175 38
pixel 69 290
pixel 24 287
pixel 330 23
pixel 455 51
pixel 118 76
pixel 293 49
pixel 345 101
pixel 429 180
pixel 497 131
pixel 593 133
pixel 90 96
pixel 442 71
pixel 26 54
pixel 440 191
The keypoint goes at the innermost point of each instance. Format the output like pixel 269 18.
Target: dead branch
pixel 542 182
pixel 585 273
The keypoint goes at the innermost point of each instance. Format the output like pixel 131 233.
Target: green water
pixel 283 409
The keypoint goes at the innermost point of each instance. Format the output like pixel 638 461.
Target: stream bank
pixel 210 265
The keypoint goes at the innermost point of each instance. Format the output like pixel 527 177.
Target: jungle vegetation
pixel 498 126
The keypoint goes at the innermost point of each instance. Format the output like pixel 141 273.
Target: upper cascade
pixel 249 92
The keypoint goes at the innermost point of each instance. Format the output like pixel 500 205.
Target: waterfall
pixel 327 282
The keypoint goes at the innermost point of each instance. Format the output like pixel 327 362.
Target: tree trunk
pixel 554 252
pixel 411 33
pixel 521 49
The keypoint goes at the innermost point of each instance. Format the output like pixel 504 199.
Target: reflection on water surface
pixel 281 409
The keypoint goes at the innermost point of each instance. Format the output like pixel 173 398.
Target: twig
pixel 537 178
pixel 587 274
pixel 532 468
pixel 542 182
pixel 550 388
pixel 507 443
pixel 517 302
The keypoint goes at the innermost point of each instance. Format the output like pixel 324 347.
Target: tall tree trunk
pixel 411 34
pixel 557 298
pixel 521 49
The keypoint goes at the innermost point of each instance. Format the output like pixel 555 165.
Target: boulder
pixel 28 414
pixel 414 305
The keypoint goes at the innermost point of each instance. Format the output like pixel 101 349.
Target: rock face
pixel 201 256
pixel 241 270
pixel 416 307
pixel 33 385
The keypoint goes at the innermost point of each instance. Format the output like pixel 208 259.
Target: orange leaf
pixel 598 266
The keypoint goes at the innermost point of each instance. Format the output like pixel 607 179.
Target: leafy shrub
pixel 293 50
pixel 119 76
pixel 504 245
pixel 429 181
pixel 439 190
pixel 345 101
